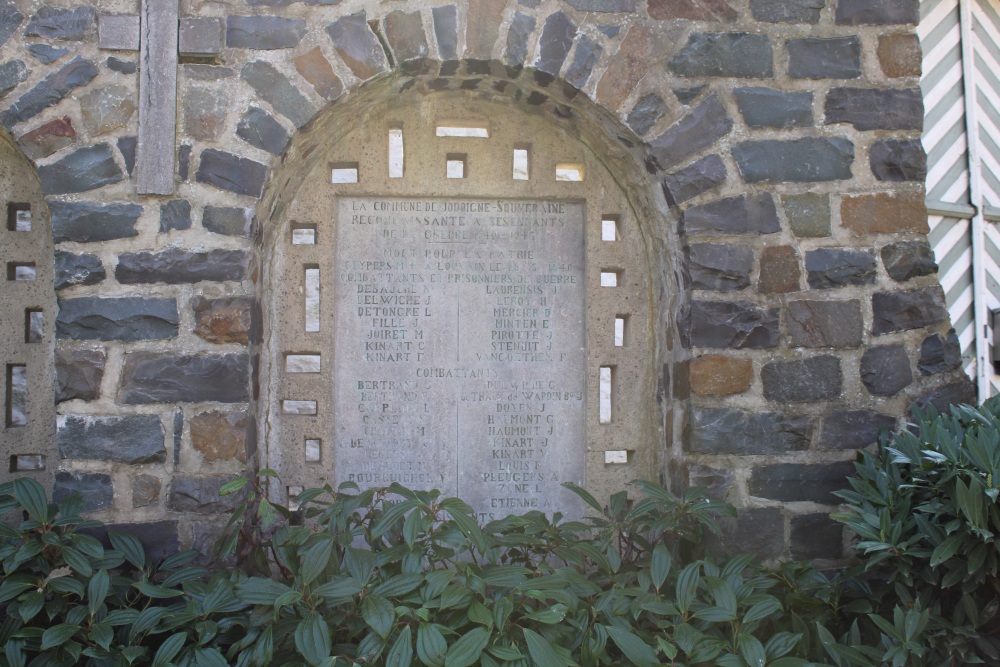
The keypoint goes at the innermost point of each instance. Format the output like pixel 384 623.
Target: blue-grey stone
pixel 521 27
pixel 79 373
pixel 62 23
pixel 263 32
pixel 72 269
pixel 231 172
pixel 728 431
pixel 806 160
pixel 10 20
pixel 130 439
pixel 556 41
pixel 740 55
pixel 197 494
pixel 274 88
pixel 700 128
pixel 853 429
pixel 446 31
pixel 84 222
pixel 787 11
pixel 50 91
pixel 357 45
pixel 912 309
pixel 585 58
pixel 962 392
pixel 609 31
pixel 803 381
pixel 82 170
pixel 885 369
pixel 876 108
pixel 175 214
pixel 127 147
pixel 730 325
pixel 612 6
pixel 643 116
pixel 94 489
pixel 117 318
pixel 175 266
pixel 824 58
pixel 940 354
pixel 767 107
pixel 877 12
pixel 828 268
pixel 806 482
pixel 688 94
pixel 260 129
pixel 721 267
pixel 835 324
pixel 12 73
pixel 755 214
pixel 231 221
pixel 121 66
pixel 898 160
pixel 815 536
pixel 154 377
pixel 908 259
pixel 45 53
pixel 695 179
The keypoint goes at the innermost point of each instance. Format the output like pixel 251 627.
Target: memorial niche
pixel 461 305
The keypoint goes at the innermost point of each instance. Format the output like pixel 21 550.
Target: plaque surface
pixel 459 349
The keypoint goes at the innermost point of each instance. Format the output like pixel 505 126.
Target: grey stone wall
pixel 776 143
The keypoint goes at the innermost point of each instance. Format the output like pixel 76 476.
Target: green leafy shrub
pixel 925 509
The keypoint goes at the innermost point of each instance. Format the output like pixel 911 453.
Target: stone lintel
pixel 158 101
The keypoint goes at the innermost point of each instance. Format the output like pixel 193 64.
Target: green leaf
pixel 781 644
pixel 209 657
pixel 97 590
pixel 31 495
pixel 461 514
pixel 312 638
pixel 636 650
pixel 401 584
pixel 58 635
pixel 431 645
pixel 77 561
pixel 378 614
pixel 315 559
pixel 155 591
pixel 724 595
pixel 762 609
pixel 660 566
pixel 542 652
pixel 102 634
pixel 947 549
pixel 233 486
pixel 584 496
pixel 505 653
pixel 31 604
pixel 169 649
pixel 401 652
pixel 468 648
pixel 687 586
pixel 552 615
pixel 752 651
pixel 339 590
pixel 14 652
pixel 479 614
pixel 130 546
pixel 258 590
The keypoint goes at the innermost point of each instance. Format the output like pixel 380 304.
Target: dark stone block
pixel 695 179
pixel 201 495
pixel 740 55
pixel 46 54
pixel 876 108
pixel 853 429
pixel 175 214
pixel 121 66
pixel 718 266
pixel 612 6
pixel 260 129
pixel 780 272
pixel 64 24
pixel 585 58
pixel 93 488
pixel 83 222
pixel 556 41
pixel 79 374
pixel 908 259
pixel 127 147
pixel 898 160
pixel 117 318
pixel 263 32
pixel 357 45
pixel 691 10
pixel 836 324
pixel 126 439
pixel 231 172
pixel 153 377
pixel 716 481
pixel 699 129
pixel 733 215
pixel 10 20
pixel 803 381
pixel 175 266
pixel 739 325
pixel 727 431
pixel 808 214
pixel 446 31
pixel 824 58
pixel 82 170
pixel 877 12
pixel 902 311
pixel 183 161
pixel 48 138
pixel 756 530
pixel 159 538
pixel 940 354
pixel 688 94
pixel 146 491
pixel 274 88
pixel 50 91
pixel 12 73
pixel 766 107
pixel 521 27
pixel 806 160
pixel 787 11
pixel 73 269
pixel 885 369
pixel 829 268
pixel 962 392
pixel 643 116
pixel 231 221
pixel 795 482
pixel 816 536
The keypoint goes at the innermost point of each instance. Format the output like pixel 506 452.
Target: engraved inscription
pixel 459 351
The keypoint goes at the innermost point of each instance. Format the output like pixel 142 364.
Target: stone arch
pixel 621 158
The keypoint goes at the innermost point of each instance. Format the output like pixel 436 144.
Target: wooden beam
pixel 157 97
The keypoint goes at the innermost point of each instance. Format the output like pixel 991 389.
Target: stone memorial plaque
pixel 459 356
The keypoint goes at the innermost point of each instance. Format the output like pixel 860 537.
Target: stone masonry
pixel 773 143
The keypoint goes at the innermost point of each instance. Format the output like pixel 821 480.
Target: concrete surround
pixel 765 153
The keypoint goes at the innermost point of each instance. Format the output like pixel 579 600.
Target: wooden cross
pixel 160 35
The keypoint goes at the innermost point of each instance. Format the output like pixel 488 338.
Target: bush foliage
pixel 400 577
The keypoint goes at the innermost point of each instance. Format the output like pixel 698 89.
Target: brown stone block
pixel 316 69
pixel 626 68
pixel 220 436
pixel 884 213
pixel 899 55
pixel 45 140
pixel 719 375
pixel 146 491
pixel 693 10
pixel 779 270
pixel 225 320
pixel 405 33
pixel 483 27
